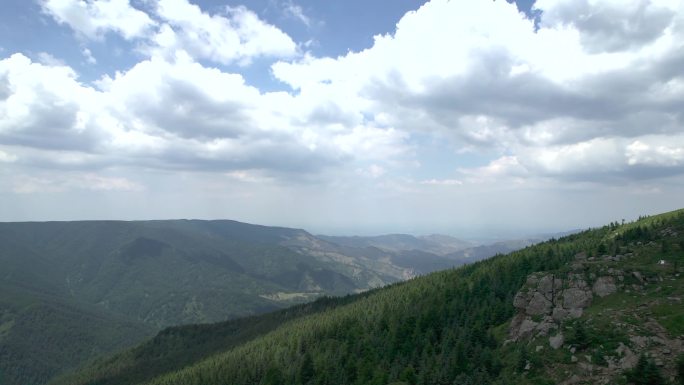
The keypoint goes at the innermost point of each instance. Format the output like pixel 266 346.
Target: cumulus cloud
pixel 237 35
pixel 610 26
pixel 173 115
pixel 576 98
pixel 565 99
pixel 44 106
pixel 92 19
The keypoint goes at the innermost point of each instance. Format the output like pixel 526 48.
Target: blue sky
pixel 472 118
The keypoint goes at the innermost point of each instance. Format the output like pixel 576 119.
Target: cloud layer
pixel 590 93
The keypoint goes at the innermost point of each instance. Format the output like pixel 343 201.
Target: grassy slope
pixel 447 327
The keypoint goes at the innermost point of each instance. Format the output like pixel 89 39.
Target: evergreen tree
pixel 645 373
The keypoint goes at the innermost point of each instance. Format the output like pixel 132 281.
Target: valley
pixel 546 314
pixel 72 291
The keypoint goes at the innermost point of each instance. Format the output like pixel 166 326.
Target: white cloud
pixel 69 182
pixel 238 35
pixel 442 182
pixel 543 104
pixel 611 25
pixel 88 56
pixel 373 171
pixel 176 115
pixel 44 106
pixel 235 35
pixel 562 100
pixel 48 59
pixel 295 11
pixel 656 151
pixel 93 18
pixel 7 157
pixel 503 169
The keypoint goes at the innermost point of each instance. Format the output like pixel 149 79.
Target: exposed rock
pixel 548 285
pixel 525 329
pixel 560 314
pixel 571 381
pixel 576 298
pixel 629 359
pixel 604 286
pixel 585 366
pixel 639 341
pixel 575 313
pixel 543 295
pixel 538 305
pixel 638 276
pixel 532 280
pixel 577 281
pixel 521 300
pixel 545 326
pixel 556 341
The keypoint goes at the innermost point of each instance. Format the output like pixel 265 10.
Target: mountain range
pixel 596 307
pixel 76 290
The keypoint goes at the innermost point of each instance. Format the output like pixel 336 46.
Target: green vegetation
pixel 71 291
pixel 447 327
pixel 645 373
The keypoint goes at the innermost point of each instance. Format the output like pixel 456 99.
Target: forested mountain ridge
pixel 434 243
pixel 485 323
pixel 70 291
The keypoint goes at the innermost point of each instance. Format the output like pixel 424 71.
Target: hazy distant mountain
pixel 485 251
pixel 95 286
pixel 540 315
pixel 102 285
pixel 435 243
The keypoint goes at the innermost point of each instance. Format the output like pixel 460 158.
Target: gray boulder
pixel 574 298
pixel 604 286
pixel 538 305
pixel 556 341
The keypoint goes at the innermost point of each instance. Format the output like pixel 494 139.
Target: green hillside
pixel 70 291
pixel 486 323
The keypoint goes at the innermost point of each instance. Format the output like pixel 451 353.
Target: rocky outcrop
pixel 550 300
pixel 546 300
pixel 604 286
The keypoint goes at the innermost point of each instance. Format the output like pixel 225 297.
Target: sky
pixel 464 117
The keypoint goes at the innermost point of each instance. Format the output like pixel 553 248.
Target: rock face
pixel 538 304
pixel 546 300
pixel 548 303
pixel 576 298
pixel 553 299
pixel 604 286
pixel 556 341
